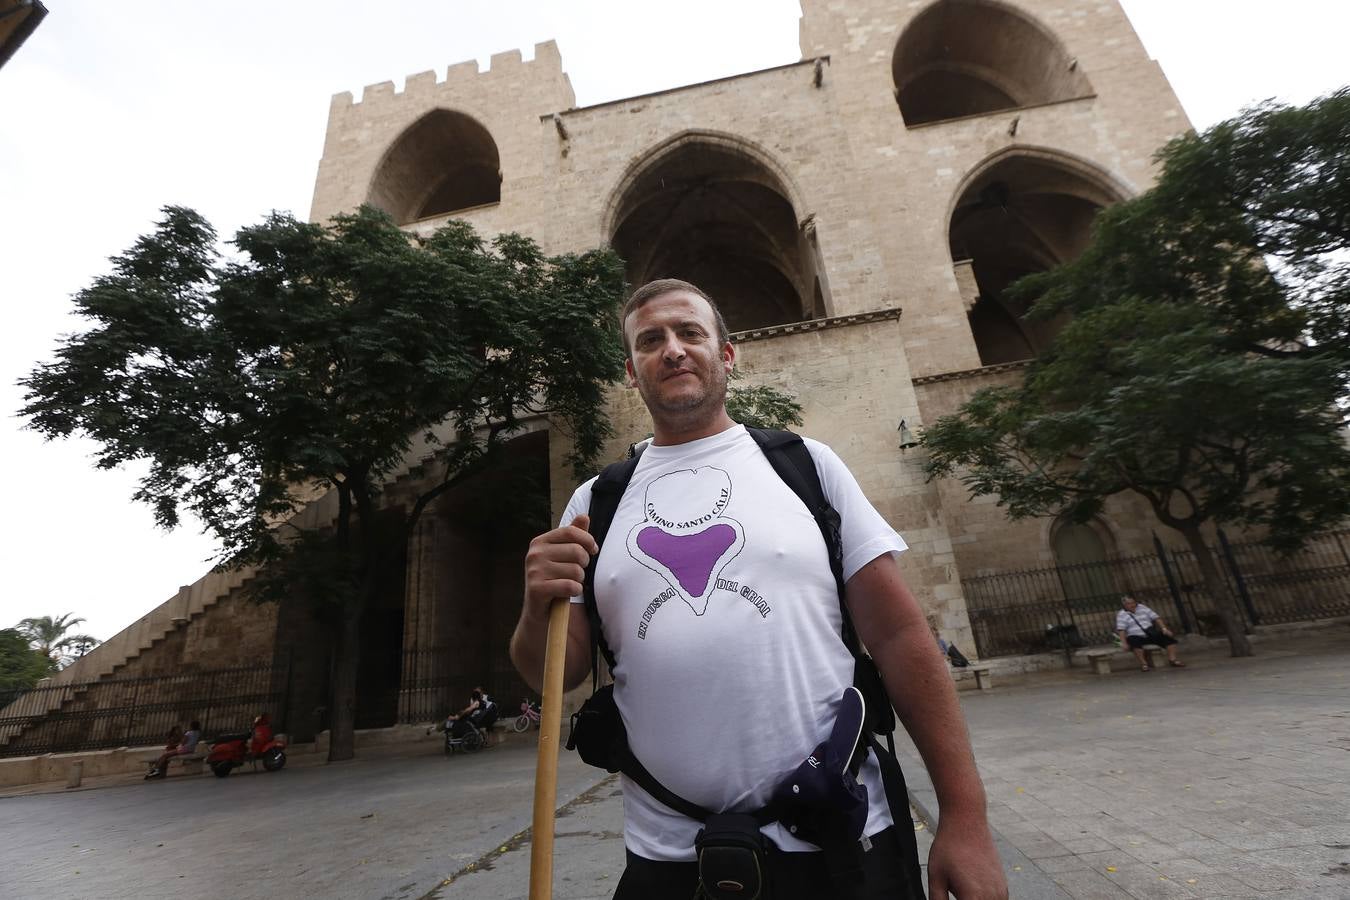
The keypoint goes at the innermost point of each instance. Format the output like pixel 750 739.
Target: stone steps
pixel 105 660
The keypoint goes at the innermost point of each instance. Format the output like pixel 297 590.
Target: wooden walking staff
pixel 546 770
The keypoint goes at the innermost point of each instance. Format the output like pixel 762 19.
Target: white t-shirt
pixel 715 592
pixel 1134 623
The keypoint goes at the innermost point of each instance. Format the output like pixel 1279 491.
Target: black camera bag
pixel 732 857
pixel 598 733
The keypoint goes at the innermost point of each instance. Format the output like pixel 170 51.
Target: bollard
pixel 76 773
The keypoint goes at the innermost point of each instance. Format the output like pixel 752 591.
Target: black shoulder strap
pixel 897 798
pixel 606 493
pixel 791 459
pixel 634 769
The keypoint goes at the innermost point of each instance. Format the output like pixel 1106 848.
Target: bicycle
pixel 529 712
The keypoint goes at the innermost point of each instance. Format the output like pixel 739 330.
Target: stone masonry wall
pixel 879 197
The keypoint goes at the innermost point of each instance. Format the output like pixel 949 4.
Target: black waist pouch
pixel 597 732
pixel 732 858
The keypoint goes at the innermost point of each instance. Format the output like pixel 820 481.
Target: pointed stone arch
pixel 443 163
pixel 718 211
pixel 465 579
pixel 960 58
pixel 1083 551
pixel 1020 211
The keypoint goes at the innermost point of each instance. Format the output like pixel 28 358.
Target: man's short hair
pixel 656 288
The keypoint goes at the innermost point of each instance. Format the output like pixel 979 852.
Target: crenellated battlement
pixel 507 66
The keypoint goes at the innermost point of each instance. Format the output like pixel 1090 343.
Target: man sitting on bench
pixel 1138 625
pixel 187 745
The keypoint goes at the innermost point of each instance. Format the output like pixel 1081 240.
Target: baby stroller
pixel 470 733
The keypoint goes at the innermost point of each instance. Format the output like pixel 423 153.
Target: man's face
pixel 1129 603
pixel 677 363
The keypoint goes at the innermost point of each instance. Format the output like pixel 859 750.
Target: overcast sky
pixel 111 110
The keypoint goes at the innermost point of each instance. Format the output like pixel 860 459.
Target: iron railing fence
pixel 1063 607
pixel 117 712
pixel 1313 583
pixel 124 712
pixel 437 681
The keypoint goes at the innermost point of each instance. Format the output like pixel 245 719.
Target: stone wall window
pixel 444 162
pixel 971 57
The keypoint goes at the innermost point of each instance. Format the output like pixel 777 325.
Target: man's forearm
pixel 963 858
pixel 527 649
pixel 528 643
pixel 894 630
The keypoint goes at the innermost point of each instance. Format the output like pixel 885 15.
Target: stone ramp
pixel 191 602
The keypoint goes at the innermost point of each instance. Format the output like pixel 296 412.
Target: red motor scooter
pixel 260 745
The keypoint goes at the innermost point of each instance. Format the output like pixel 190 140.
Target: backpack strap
pixel 634 769
pixel 606 493
pixel 897 798
pixel 792 460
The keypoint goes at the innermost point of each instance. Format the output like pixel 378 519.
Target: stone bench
pixel 190 764
pixel 1100 657
pixel 984 679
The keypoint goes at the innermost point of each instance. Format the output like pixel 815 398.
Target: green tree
pixel 761 406
pixel 1136 398
pixel 48 636
pixel 1271 185
pixel 312 359
pixel 1192 373
pixel 20 665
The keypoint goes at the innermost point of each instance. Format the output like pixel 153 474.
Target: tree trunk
pixel 372 546
pixel 1225 604
pixel 346 657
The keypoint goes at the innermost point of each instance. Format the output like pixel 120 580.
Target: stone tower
pixel 857 214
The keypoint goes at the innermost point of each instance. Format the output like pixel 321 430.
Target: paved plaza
pixel 1226 780
pixel 1229 779
pixel 375 827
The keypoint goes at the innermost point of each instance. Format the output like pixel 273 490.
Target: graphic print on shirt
pixel 684 536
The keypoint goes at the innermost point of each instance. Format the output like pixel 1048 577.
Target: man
pixel 187 745
pixel 479 710
pixel 1137 625
pixel 716 597
pixel 486 713
pixel 475 708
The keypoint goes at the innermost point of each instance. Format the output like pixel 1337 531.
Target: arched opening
pixel 1081 558
pixel 444 162
pixel 1026 213
pixel 466 570
pixel 708 212
pixel 970 57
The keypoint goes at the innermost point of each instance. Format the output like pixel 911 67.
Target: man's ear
pixel 632 376
pixel 728 356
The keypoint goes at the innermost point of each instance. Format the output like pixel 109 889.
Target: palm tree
pixel 47 635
